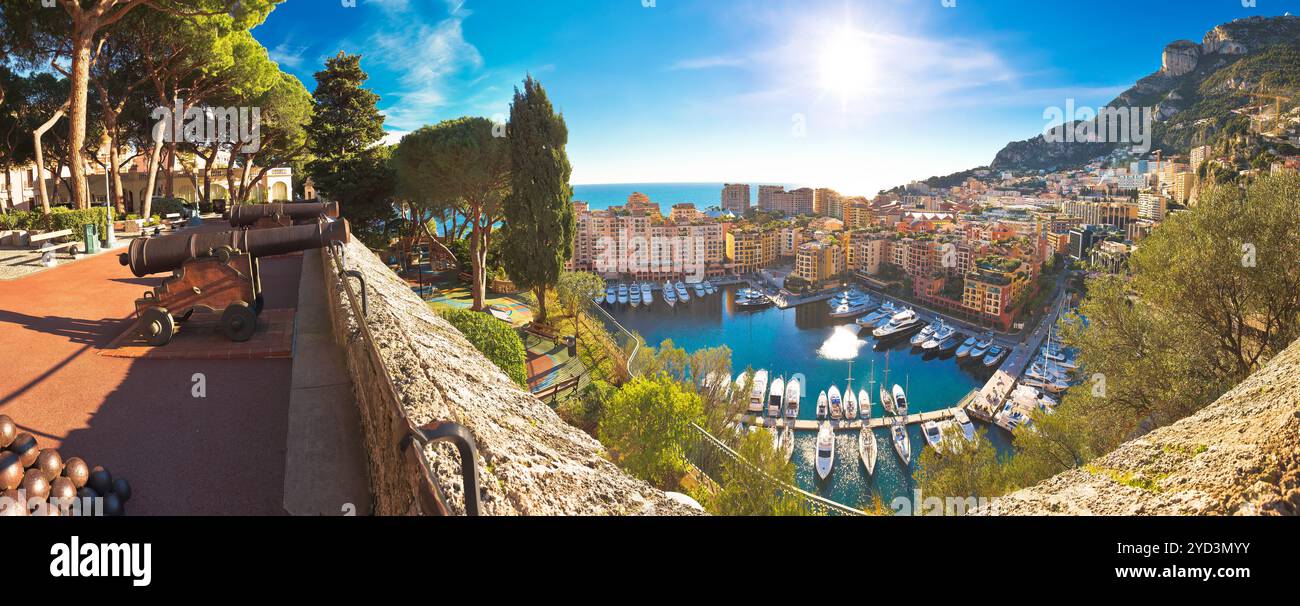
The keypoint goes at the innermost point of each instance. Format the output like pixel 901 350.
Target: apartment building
pixel 1151 206
pixel 1117 214
pixel 751 249
pixel 828 203
pixel 735 198
pixel 819 260
pixel 865 252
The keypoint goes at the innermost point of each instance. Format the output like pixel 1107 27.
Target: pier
pixel 944 414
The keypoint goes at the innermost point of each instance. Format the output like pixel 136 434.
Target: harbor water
pixel 807 340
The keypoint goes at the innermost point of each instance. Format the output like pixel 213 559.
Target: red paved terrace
pixel 223 455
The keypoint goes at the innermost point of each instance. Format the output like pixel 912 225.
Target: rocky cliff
pixel 532 462
pixel 1238 456
pixel 1186 89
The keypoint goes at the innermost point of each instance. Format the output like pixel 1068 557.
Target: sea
pixel 807 340
pixel 703 195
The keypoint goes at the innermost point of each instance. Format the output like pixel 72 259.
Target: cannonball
pixel 35 484
pixel 86 492
pixel 12 504
pixel 11 471
pixel 47 509
pixel 101 480
pixel 24 445
pixel 122 489
pixel 76 470
pixel 50 463
pixel 62 488
pixel 113 505
pixel 8 431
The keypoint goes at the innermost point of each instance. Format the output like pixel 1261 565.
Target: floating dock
pixel 846 425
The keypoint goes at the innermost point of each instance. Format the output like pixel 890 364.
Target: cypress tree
pixel 540 223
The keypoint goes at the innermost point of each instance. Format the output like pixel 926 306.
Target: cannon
pixel 261 216
pixel 215 272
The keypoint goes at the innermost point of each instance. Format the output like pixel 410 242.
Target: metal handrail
pixel 432 500
pixel 813 499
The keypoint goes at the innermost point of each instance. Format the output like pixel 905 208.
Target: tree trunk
pixel 40 160
pixel 82 37
pixel 152 183
pixel 542 316
pixel 170 175
pixel 9 193
pixel 114 172
pixel 478 268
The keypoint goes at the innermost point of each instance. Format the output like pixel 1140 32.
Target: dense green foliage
pixel 748 486
pixel 647 425
pixel 574 289
pixel 344 134
pixel 495 339
pixel 459 164
pixel 539 218
pixel 59 219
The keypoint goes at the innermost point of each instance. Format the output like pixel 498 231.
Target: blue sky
pixel 853 94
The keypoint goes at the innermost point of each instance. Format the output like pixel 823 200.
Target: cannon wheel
pixel 157 326
pixel 239 321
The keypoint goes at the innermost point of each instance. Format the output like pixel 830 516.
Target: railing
pixel 431 498
pixel 628 343
pixel 709 454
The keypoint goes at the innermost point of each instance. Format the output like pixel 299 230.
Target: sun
pixel 845 64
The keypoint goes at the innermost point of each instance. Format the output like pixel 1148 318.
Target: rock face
pixel 1238 456
pixel 532 462
pixel 1180 58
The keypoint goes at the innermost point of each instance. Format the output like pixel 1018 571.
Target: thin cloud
pixel 707 63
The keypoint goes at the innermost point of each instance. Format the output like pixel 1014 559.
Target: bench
pixel 40 240
pixel 171 219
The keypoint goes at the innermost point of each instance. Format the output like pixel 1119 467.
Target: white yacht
pixel 864 404
pixel 682 295
pixel 837 403
pixel 758 394
pixel 647 295
pixel 963 421
pixel 900 324
pixel 933 435
pixel 967 347
pixel 709 288
pixel 848 309
pixel 941 334
pixel 874 318
pixel 995 356
pixel 900 401
pixel 792 395
pixel 787 442
pixel 825 450
pixel 920 338
pixel 635 295
pixel 823 406
pixel 981 348
pixel 699 290
pixel 622 294
pixel 611 295
pixel 902 445
pixel 867 448
pixel 775 398
pixel 850 404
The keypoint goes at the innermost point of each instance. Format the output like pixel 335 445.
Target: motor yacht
pixel 793 391
pixel 682 295
pixel 776 398
pixel 758 393
pixel 670 295
pixel 902 444
pixel 823 406
pixel 611 295
pixel 825 450
pixel 850 404
pixel 901 324
pixel 941 334
pixel 647 295
pixel 967 347
pixel 932 433
pixel 622 294
pixel 981 348
pixel 836 402
pixel 963 421
pixel 920 338
pixel 995 356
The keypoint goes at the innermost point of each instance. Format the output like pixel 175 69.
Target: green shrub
pixel 59 219
pixel 494 338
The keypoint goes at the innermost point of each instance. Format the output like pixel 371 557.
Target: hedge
pixel 496 340
pixel 59 219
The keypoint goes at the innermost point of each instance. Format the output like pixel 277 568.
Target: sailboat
pixel 887 400
pixel 850 404
pixel 867 447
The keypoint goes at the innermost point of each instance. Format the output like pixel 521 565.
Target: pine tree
pixel 350 166
pixel 539 215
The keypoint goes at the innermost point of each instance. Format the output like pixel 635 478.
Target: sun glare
pixel 845 64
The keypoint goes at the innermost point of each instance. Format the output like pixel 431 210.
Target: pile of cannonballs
pixel 40 483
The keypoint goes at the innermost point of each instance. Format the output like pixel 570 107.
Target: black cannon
pixel 215 272
pixel 262 216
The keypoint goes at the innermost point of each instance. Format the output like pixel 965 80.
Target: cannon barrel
pixel 245 215
pixel 167 253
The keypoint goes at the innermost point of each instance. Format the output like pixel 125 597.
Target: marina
pixel 825 351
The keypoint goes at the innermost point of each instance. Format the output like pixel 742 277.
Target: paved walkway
pixel 219 455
